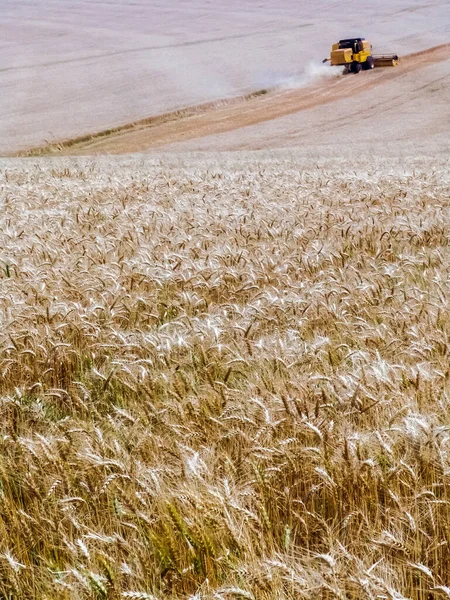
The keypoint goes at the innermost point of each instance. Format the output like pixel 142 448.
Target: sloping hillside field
pixel 224 378
pixel 416 93
pixel 75 67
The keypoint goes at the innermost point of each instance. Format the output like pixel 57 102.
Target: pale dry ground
pixel 406 116
pixel 398 110
pixel 225 378
pixel 70 66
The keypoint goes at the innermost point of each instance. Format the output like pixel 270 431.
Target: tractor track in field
pixel 235 113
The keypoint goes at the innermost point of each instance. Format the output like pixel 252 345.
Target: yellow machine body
pixel 355 54
pixel 344 56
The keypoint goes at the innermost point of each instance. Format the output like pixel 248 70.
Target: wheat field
pixel 224 378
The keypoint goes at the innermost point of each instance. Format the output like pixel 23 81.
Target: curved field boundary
pixel 227 115
pixel 147 122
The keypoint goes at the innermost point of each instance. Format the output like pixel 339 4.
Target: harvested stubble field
pixel 224 379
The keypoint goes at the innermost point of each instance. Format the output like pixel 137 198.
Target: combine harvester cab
pixel 355 55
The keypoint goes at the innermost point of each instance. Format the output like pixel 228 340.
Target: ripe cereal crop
pixel 224 379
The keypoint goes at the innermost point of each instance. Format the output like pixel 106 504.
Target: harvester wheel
pixel 356 67
pixel 369 64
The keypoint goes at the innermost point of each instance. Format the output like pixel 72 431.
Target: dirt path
pixel 208 119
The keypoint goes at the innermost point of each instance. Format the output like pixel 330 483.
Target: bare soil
pixel 72 67
pixel 218 118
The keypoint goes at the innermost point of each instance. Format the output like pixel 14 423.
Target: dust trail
pixel 313 72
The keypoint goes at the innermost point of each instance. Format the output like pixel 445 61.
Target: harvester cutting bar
pixel 385 60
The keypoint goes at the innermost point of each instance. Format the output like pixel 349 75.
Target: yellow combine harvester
pixel 355 54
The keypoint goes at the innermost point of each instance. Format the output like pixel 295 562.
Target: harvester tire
pixel 369 64
pixel 356 67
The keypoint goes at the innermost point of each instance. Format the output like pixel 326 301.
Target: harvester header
pixel 355 55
